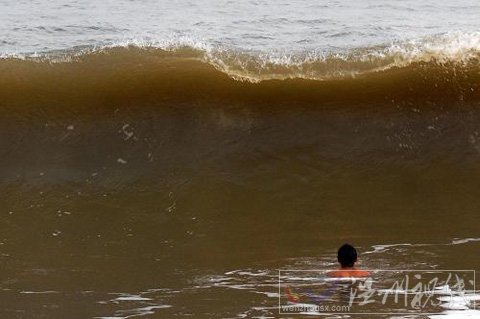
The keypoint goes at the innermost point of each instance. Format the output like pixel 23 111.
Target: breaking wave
pixel 444 66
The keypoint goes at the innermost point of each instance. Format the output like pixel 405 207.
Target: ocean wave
pixel 451 48
pixel 440 68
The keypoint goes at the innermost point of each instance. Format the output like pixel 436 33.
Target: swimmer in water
pixel 347 257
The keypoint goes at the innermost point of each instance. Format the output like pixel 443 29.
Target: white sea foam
pixel 457 314
pixel 256 65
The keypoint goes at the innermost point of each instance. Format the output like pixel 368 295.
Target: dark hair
pixel 347 255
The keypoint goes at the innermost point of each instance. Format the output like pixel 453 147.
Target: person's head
pixel 347 255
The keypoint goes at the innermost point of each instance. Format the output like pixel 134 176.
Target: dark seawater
pixel 163 160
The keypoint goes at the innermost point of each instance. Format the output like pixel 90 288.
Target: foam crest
pixel 254 66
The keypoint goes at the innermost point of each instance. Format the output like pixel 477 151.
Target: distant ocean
pixel 166 158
